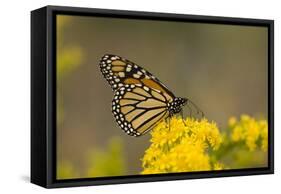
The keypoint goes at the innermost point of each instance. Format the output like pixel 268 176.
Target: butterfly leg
pixel 182 118
pixel 190 111
pixel 169 122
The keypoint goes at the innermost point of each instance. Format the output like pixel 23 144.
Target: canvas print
pixel 144 97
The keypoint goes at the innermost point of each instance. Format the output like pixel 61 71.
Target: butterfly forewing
pixel 138 109
pixel 119 71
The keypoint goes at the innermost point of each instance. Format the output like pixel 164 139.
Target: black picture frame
pixel 43 95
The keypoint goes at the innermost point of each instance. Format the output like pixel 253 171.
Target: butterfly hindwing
pixel 137 108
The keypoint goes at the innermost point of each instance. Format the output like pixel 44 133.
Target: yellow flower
pixel 251 131
pixel 264 135
pixel 232 121
pixel 218 166
pixel 66 170
pixel 181 147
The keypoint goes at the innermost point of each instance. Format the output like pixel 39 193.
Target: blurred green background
pixel 222 68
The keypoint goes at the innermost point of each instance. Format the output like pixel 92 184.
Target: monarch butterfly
pixel 140 100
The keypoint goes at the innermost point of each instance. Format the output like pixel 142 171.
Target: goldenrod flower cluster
pixel 199 146
pixel 180 147
pixel 253 132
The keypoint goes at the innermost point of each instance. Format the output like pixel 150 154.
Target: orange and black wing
pixel 119 71
pixel 137 108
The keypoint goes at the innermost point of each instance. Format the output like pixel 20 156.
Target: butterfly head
pixel 176 105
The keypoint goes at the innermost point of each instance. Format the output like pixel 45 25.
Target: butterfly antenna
pixel 199 111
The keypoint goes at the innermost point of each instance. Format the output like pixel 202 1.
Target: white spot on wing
pixel 136 76
pixel 121 74
pixel 146 88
